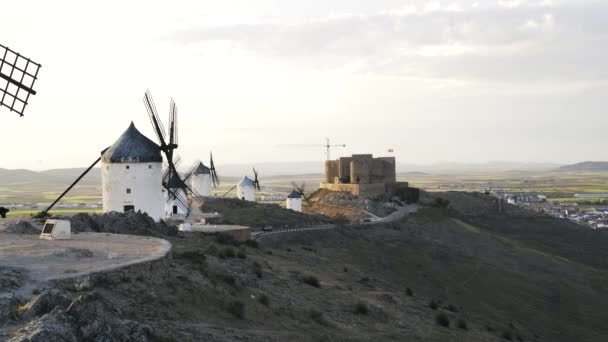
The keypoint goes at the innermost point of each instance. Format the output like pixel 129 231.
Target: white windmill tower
pixel 294 201
pixel 131 175
pixel 246 188
pixel 203 179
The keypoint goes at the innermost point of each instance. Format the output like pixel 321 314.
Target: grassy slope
pixel 498 281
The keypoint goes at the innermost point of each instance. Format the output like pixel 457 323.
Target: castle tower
pixel 245 190
pixel 131 175
pixel 294 201
pixel 201 180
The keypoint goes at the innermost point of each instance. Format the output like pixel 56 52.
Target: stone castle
pixel 362 175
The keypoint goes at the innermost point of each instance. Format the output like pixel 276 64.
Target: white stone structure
pixel 176 202
pixel 294 201
pixel 245 189
pixel 56 230
pixel 131 175
pixel 200 181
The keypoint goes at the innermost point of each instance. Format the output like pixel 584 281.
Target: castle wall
pixel 344 169
pixel 360 168
pixel 331 170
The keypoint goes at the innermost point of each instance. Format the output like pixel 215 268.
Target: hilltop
pixel 585 166
pixel 494 276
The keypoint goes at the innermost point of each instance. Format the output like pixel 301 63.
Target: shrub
pixel 361 308
pixel 228 279
pixel 440 203
pixel 225 239
pixel 213 250
pixel 345 269
pixel 317 317
pixel 264 300
pixel 443 320
pixel 409 292
pixel 452 308
pixel 433 305
pixel 227 252
pixel 241 255
pixel 237 309
pixel 192 256
pixel 252 244
pixel 507 335
pixel 462 324
pixel 311 280
pixel 257 269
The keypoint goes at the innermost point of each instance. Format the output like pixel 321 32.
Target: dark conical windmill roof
pixel 294 194
pixel 133 147
pixel 201 169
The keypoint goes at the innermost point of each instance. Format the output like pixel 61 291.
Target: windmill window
pixel 149 166
pixel 128 190
pixel 128 167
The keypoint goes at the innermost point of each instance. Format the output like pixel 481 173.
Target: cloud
pixel 507 41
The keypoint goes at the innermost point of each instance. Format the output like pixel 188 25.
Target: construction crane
pixel 328 145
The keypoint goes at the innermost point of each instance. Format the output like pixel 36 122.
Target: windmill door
pixel 174 209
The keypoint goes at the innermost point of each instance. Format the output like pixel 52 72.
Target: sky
pixel 460 81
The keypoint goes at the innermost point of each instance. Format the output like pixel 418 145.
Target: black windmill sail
pixel 214 177
pixel 17 77
pixel 171 180
pixel 256 181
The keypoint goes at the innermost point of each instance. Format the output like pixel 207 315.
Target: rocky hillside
pixel 448 273
pixel 585 166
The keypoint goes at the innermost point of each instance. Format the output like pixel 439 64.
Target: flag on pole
pixel 391 150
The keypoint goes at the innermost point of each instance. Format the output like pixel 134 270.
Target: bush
pixel 452 308
pixel 361 308
pixel 237 309
pixel 507 335
pixel 443 320
pixel 252 244
pixel 433 305
pixel 213 250
pixel 462 324
pixel 440 203
pixel 227 252
pixel 241 255
pixel 192 256
pixel 311 280
pixel 228 279
pixel 317 317
pixel 264 300
pixel 257 269
pixel 225 239
pixel 409 292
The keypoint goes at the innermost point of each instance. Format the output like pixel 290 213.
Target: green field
pixel 70 211
pixel 558 185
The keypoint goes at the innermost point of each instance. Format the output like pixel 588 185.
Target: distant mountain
pixel 49 177
pixel 585 166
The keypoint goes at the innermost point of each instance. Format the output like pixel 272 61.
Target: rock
pixel 133 223
pixel 87 318
pixel 52 327
pixel 23 227
pixel 11 278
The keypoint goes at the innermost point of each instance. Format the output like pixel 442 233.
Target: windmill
pixel 301 190
pixel 17 77
pixel 247 187
pixel 203 179
pixel 172 181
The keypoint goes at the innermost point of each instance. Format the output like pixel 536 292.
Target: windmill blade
pixel 214 177
pixel 17 77
pixel 173 123
pixel 157 124
pixel 227 192
pixel 191 170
